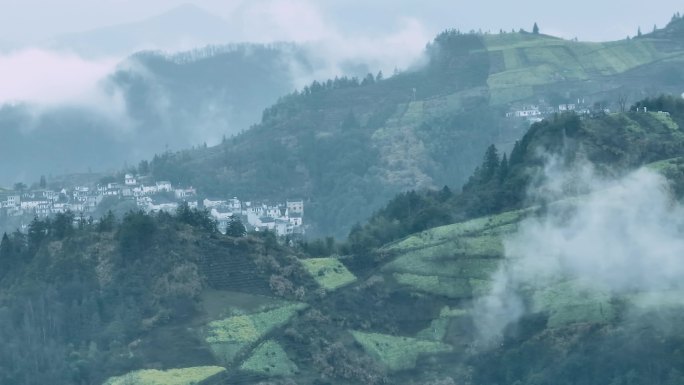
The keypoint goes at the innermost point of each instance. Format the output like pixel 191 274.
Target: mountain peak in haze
pixel 186 12
pixel 183 27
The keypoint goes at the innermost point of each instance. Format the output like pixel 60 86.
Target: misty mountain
pixel 346 146
pixel 181 28
pixel 151 103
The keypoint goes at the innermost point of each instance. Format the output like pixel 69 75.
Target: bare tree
pixel 622 101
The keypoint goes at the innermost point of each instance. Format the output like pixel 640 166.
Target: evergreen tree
pixel 37 232
pixel 6 254
pixel 43 182
pixel 535 29
pixel 62 226
pixel 516 154
pixel 503 168
pixel 236 228
pixel 639 32
pixel 490 165
pixel 107 222
pixel 19 187
pixel 144 167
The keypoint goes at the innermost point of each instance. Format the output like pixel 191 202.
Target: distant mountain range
pixel 181 28
pixel 169 102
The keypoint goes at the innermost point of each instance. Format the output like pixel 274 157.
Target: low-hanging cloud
pixel 624 236
pixel 47 77
pixel 332 50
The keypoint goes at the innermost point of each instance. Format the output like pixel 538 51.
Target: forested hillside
pixel 347 145
pixel 164 298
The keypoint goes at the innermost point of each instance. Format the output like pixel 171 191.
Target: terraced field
pixel 571 302
pixel 330 273
pixel 189 376
pixel 231 336
pixel 534 60
pixel 397 353
pixel 454 261
pixel 438 328
pixel 269 359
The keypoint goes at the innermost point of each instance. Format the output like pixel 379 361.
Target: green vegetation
pixel 533 60
pixel 229 336
pixel 220 304
pixel 438 235
pixel 397 353
pixel 124 294
pixel 568 302
pixel 188 376
pixel 270 359
pixel 83 304
pixel 437 330
pixel 330 273
pixel 351 145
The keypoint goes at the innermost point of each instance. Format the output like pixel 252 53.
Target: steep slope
pixel 346 148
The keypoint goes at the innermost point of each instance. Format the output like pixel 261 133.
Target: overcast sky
pixel 26 21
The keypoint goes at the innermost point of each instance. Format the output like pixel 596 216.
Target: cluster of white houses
pixel 283 218
pixel 536 112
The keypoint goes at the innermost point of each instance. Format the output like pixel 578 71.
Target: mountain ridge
pixel 412 124
pixel 192 26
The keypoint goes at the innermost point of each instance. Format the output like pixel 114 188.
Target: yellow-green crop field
pixel 270 359
pixel 187 376
pixel 439 235
pixel 397 353
pixel 570 302
pixel 456 260
pixel 330 273
pixel 227 337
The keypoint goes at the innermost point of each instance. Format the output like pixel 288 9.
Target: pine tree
pixel 503 168
pixel 490 164
pixel 37 231
pixel 236 228
pixel 6 254
pixel 535 29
